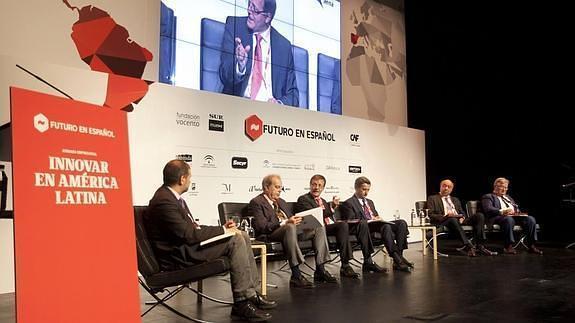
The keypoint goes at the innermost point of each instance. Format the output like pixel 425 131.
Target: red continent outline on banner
pixel 74 248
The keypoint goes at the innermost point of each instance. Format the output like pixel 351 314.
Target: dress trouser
pixel 287 234
pixel 361 231
pixel 243 272
pixel 394 235
pixel 508 222
pixel 341 232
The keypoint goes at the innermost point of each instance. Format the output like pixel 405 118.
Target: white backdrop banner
pixel 232 143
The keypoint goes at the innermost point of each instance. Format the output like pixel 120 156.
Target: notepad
pixel 222 236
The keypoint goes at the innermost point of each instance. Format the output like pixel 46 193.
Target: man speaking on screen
pixel 257 61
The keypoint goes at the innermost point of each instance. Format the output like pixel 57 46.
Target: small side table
pixel 424 241
pixel 263 253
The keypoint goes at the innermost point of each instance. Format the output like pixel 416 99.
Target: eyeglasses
pixel 252 9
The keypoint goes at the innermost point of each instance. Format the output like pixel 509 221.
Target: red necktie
pixel 319 202
pixel 257 76
pixel 366 210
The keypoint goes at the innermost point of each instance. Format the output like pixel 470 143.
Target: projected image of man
pixel 257 61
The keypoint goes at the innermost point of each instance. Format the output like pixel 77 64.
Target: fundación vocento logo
pixel 41 123
pixel 254 127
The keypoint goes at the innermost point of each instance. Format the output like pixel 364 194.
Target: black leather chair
pixel 155 281
pixel 474 206
pixel 228 209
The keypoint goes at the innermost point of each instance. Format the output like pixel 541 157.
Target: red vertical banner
pixel 73 220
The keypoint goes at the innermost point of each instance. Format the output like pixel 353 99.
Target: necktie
pixel 319 202
pixel 257 76
pixel 505 201
pixel 366 209
pixel 450 206
pixel 281 216
pixel 185 207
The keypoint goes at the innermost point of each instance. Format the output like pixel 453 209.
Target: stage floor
pixel 520 288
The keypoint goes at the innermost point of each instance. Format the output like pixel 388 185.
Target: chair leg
pixel 162 301
pixel 570 245
pixel 430 245
pixel 521 242
pixel 201 295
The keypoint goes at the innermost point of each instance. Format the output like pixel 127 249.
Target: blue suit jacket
pixel 351 209
pixel 491 205
pixel 284 86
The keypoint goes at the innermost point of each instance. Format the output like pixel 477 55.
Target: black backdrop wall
pixel 487 82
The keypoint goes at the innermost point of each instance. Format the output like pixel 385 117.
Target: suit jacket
pixel 436 210
pixel 284 86
pixel 351 209
pixel 173 235
pixel 491 204
pixel 307 202
pixel 265 219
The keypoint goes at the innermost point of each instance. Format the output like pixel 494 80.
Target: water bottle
pixel 396 215
pixel 421 216
pixel 413 216
pixel 244 225
pixel 250 230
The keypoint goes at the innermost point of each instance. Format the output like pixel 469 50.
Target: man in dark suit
pixel 257 61
pixel 500 208
pixel 339 229
pixel 445 210
pixel 273 219
pixel 394 233
pixel 176 237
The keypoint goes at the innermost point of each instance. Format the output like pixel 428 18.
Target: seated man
pixel 502 209
pixel 446 210
pixel 394 233
pixel 176 237
pixel 339 229
pixel 273 219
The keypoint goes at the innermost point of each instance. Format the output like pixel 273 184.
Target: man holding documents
pixel 445 210
pixel 274 220
pixel 500 208
pixel 393 233
pixel 339 229
pixel 176 237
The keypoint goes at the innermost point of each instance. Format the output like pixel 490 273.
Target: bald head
pixel 445 187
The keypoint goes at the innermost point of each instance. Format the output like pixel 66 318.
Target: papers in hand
pixel 311 218
pixel 222 236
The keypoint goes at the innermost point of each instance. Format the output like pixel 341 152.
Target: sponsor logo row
pixel 254 128
pixel 225 188
pixel 237 162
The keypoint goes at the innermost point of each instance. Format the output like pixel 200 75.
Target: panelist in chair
pixel 175 238
pixel 273 219
pixel 257 61
pixel 340 229
pixel 393 233
pixel 446 210
pixel 500 208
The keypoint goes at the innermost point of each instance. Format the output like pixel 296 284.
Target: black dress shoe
pixel 486 252
pixel 372 268
pixel 509 250
pixel 401 267
pixel 323 276
pixel 535 250
pixel 348 272
pixel 246 311
pixel 468 250
pixel 300 282
pixel 262 302
pixel 407 262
